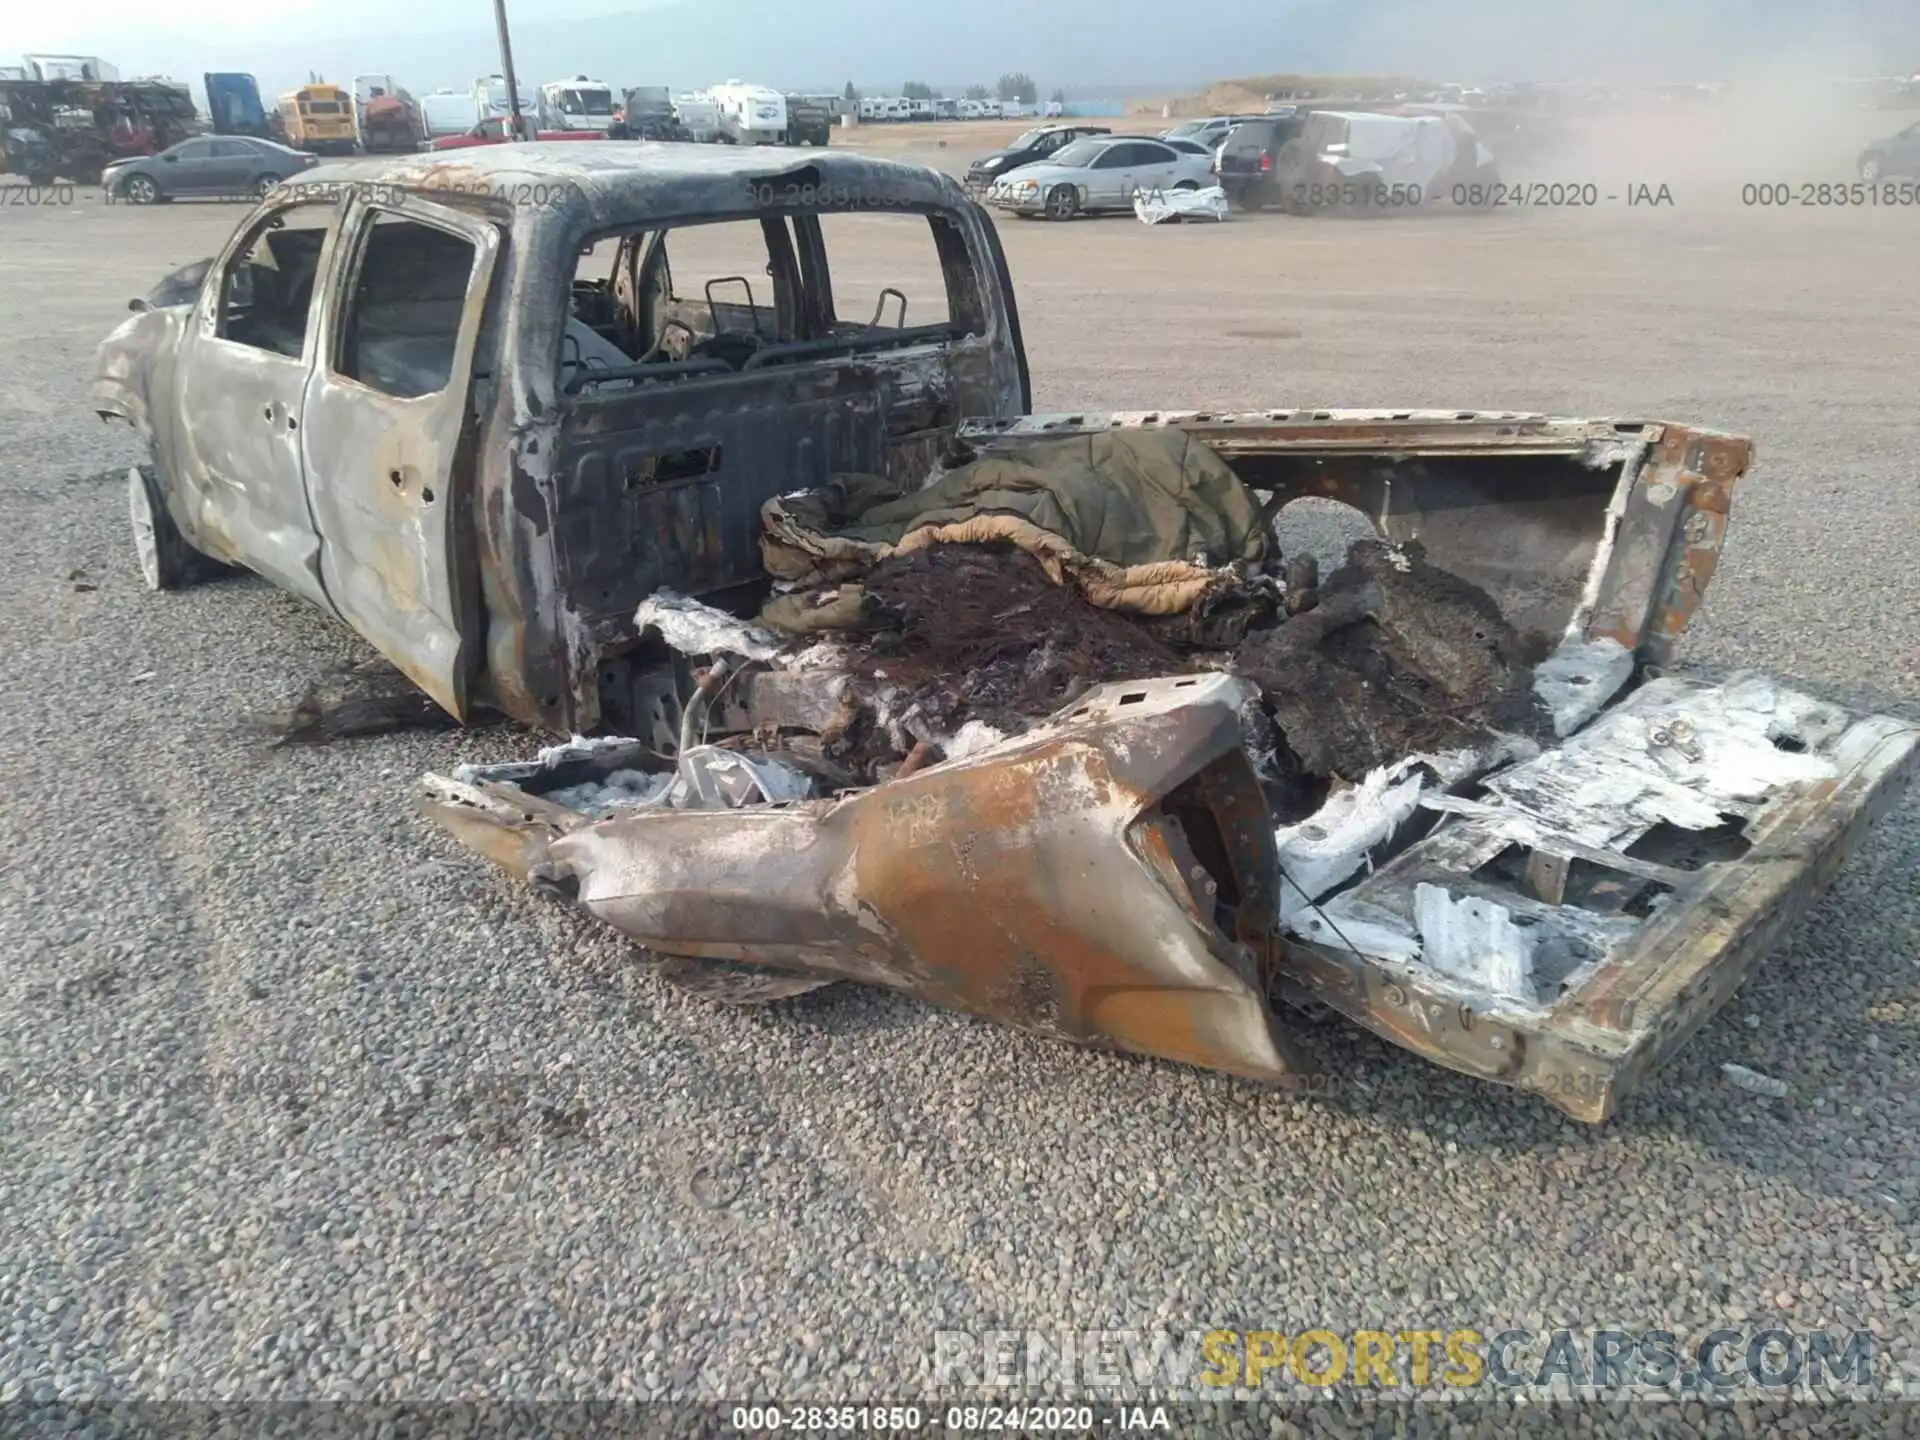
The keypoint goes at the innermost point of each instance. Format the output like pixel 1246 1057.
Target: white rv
pixel 490 97
pixel 750 114
pixel 699 116
pixel 448 112
pixel 576 104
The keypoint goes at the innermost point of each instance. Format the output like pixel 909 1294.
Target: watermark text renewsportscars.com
pixel 1484 1361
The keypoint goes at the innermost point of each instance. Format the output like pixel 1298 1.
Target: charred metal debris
pixel 939 766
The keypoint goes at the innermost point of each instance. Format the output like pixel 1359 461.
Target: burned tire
pixel 167 561
pixel 1063 202
pixel 139 190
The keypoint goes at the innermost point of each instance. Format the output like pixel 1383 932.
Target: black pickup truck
pixel 809 120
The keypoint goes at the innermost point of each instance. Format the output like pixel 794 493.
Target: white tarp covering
pixel 1155 207
pixel 1396 149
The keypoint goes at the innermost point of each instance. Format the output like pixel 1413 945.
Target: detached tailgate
pixel 1568 929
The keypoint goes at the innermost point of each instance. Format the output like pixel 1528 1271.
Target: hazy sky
pixel 879 44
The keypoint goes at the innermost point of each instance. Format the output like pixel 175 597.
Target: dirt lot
pixel 301 1100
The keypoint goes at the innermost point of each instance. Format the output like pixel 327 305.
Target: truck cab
pixel 234 106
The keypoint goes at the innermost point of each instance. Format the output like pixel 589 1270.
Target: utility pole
pixel 506 70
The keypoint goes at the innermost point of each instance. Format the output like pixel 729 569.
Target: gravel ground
pixel 301 1101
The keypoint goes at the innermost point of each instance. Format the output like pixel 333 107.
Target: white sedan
pixel 1099 173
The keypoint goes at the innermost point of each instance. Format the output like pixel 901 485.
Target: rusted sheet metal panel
pixel 1667 543
pixel 1398 432
pixel 1092 880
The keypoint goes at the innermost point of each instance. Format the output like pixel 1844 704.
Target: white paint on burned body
pixel 1331 845
pixel 694 628
pixel 1579 678
pixel 1475 940
pixel 1677 753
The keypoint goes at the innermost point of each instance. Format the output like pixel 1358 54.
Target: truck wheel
pixel 167 561
pixel 1063 202
pixel 139 190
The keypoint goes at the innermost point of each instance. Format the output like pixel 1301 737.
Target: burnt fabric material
pixel 1142 521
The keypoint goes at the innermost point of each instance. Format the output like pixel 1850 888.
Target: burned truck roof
pixel 625 178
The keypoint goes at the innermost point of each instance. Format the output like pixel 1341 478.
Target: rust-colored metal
pixel 1092 880
pixel 916 761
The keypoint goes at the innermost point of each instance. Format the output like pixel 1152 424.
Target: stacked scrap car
pixel 896 682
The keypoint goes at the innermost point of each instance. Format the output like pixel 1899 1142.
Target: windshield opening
pixel 735 297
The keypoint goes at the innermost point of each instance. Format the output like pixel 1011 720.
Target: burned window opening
pixel 266 295
pixel 659 315
pixel 401 328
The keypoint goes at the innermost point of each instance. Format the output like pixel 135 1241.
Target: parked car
pixel 1249 157
pixel 1098 174
pixel 513 447
pixel 1039 143
pixel 1347 162
pixel 230 166
pixel 1187 147
pixel 493 131
pixel 1209 132
pixel 1896 155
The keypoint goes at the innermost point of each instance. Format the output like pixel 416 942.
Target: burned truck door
pixel 389 435
pixel 242 382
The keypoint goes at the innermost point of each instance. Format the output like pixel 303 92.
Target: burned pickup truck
pixel 723 466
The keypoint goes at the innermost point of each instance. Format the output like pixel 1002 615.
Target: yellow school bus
pixel 319 119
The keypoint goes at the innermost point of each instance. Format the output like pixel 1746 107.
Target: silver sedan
pixel 1100 173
